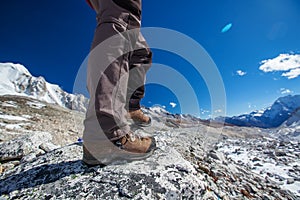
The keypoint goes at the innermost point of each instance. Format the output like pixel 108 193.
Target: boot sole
pixel 111 154
pixel 140 124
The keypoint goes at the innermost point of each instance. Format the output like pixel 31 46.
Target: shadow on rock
pixel 41 175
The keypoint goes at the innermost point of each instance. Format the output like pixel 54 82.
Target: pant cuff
pixel 134 104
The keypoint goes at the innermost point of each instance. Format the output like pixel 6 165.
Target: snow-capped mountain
pixel 294 120
pixel 281 110
pixel 290 129
pixel 15 79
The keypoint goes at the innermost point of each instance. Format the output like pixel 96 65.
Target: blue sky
pixel 257 58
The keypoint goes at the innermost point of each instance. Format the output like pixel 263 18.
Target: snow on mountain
pixel 15 79
pixel 290 129
pixel 158 110
pixel 281 110
pixel 294 120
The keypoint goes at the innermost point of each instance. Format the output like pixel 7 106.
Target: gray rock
pixel 17 148
pixel 48 147
pixel 28 158
pixel 217 155
pixel 290 181
pixel 209 195
pixel 266 197
pixel 139 179
pixel 7 166
pixel 255 159
pixel 258 165
pixel 280 153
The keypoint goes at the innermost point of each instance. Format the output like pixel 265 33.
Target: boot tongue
pixel 126 138
pixel 131 137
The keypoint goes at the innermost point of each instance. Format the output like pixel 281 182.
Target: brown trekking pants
pixel 118 62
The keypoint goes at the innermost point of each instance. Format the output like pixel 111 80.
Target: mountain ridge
pixel 15 79
pixel 272 117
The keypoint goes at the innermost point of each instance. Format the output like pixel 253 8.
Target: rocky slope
pixel 15 79
pixel 41 159
pixel 21 116
pixel 40 151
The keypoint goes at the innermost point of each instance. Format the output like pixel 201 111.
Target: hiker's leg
pixel 107 74
pixel 108 70
pixel 139 64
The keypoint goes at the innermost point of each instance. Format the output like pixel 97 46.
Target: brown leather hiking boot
pixel 139 118
pixel 128 148
pixel 136 144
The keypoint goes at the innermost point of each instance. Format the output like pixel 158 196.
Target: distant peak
pixel 16 66
pixel 16 80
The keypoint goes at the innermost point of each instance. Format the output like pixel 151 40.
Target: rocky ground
pixel 41 159
pixel 277 161
pixel 21 116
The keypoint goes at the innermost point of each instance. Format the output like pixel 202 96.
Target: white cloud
pixel 250 105
pixel 173 104
pixel 203 112
pixel 241 73
pixel 294 73
pixel 289 64
pixel 218 111
pixel 285 91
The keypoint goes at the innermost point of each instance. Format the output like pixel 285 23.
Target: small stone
pixel 15 162
pixel 270 174
pixel 219 156
pixel 280 153
pixel 28 158
pixel 266 197
pixel 255 159
pixel 290 181
pixel 246 193
pixel 258 165
pixel 204 169
pixel 7 166
pixel 251 188
pixel 213 155
pixel 48 196
pixel 182 169
pixel 291 170
pixel 47 147
pixel 280 178
pixel 225 198
pixel 209 195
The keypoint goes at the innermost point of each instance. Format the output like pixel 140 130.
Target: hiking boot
pixel 89 159
pixel 135 144
pixel 128 148
pixel 139 118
